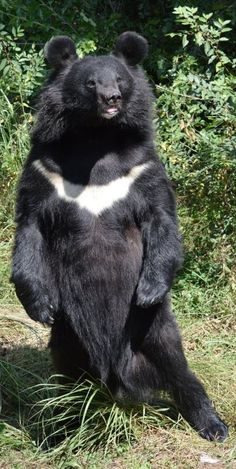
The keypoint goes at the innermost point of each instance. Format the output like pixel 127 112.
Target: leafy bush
pixel 196 127
pixel 21 73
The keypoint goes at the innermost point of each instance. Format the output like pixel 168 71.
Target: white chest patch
pixel 94 198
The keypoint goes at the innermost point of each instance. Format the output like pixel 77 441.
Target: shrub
pixel 196 128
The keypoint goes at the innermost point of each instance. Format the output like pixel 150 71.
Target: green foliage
pixel 21 70
pixel 206 32
pixel 21 73
pixel 196 126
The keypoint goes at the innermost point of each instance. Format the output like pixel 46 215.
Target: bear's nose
pixel 113 98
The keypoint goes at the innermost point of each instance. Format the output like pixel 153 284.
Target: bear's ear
pixel 60 51
pixel 132 47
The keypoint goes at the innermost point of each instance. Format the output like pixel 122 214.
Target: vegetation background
pixel 191 66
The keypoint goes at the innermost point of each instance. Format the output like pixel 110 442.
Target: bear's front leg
pixel 162 258
pixel 31 274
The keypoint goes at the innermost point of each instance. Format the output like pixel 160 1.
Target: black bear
pixel 97 243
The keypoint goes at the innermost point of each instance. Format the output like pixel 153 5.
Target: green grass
pixel 106 434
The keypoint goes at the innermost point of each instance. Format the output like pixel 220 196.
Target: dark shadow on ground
pixel 24 371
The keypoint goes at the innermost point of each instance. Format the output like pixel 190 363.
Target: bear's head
pixel 109 90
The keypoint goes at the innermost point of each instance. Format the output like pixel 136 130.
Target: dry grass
pixel 210 344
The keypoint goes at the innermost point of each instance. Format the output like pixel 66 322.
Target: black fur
pixel 103 281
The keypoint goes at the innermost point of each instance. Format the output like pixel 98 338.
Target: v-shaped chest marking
pixel 94 198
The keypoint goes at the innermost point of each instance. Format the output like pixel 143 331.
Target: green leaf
pixel 218 65
pixel 207 48
pixel 207 16
pixel 172 34
pixel 3 64
pixel 185 40
pixel 217 24
pixel 212 58
pixel 87 20
pixel 6 70
pixel 199 38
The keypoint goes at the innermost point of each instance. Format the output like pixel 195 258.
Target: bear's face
pixel 98 86
pixel 96 91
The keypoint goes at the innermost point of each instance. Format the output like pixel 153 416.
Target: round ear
pixel 132 47
pixel 60 51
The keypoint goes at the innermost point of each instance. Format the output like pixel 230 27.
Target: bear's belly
pixel 113 258
pixel 100 270
pixel 97 285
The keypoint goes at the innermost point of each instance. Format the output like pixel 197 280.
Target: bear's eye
pixel 118 79
pixel 91 83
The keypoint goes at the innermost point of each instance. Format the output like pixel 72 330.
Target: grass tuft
pixel 51 421
pixel 85 416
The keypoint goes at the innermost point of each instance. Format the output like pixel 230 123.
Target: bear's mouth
pixel 110 112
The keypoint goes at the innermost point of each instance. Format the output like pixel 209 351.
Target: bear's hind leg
pixel 188 393
pixel 155 360
pixel 69 357
pixel 195 406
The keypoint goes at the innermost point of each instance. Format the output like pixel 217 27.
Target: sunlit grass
pixel 86 417
pixel 54 424
pixel 53 420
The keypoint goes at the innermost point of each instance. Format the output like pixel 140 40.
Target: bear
pixel 97 243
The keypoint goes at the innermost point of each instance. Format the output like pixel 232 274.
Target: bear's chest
pixel 104 190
